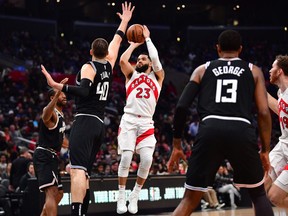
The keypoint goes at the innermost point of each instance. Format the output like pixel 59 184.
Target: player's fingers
pixel 64 80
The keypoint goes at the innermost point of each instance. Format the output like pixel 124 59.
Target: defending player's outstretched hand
pixel 176 155
pixel 50 81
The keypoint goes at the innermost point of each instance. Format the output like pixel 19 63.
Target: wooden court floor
pixel 228 212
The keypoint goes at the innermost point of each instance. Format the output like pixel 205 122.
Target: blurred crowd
pixel 23 95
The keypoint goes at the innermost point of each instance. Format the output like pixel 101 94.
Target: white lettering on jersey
pixel 228 70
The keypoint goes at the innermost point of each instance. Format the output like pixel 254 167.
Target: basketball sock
pixel 137 188
pixel 85 204
pixel 76 209
pixel 261 203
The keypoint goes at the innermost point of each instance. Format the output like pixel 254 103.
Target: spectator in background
pixel 3 163
pixel 24 179
pixel 15 134
pixel 211 197
pixel 3 142
pixel 19 168
pixel 224 184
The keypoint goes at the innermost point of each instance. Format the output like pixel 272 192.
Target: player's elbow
pixel 123 61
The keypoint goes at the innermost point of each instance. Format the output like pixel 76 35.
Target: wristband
pixel 65 88
pixel 120 33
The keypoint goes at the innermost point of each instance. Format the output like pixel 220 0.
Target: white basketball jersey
pixel 283 115
pixel 142 93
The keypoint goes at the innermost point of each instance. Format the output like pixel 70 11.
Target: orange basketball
pixel 135 33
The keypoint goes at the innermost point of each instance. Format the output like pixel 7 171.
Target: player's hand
pixel 176 155
pixel 50 80
pixel 65 80
pixel 264 156
pixel 135 45
pixel 146 32
pixel 127 11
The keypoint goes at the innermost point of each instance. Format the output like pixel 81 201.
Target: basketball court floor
pixel 228 212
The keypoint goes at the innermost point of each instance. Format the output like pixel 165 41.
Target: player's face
pixel 62 100
pixel 274 73
pixel 142 64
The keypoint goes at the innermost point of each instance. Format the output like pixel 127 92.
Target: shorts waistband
pixel 138 116
pixel 229 118
pixel 83 114
pixel 47 149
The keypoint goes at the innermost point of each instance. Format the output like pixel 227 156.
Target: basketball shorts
pixel 85 140
pixel 46 164
pixel 135 133
pixel 218 140
pixel 278 159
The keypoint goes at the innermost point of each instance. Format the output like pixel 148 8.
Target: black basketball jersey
pixel 227 89
pixel 96 101
pixel 52 137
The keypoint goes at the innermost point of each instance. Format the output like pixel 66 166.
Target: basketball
pixel 135 33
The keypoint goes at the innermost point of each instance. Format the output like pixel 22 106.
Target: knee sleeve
pixel 146 157
pixel 126 158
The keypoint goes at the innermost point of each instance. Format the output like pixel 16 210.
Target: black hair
pixel 229 40
pixel 29 164
pixel 145 53
pixel 51 92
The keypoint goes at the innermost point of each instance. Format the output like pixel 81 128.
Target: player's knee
pixel 144 167
pixel 126 157
pixel 274 199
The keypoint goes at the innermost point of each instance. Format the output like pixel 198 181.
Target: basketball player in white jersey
pixel 136 130
pixel 276 181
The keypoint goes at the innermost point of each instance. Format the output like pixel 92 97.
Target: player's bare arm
pixel 273 103
pixel 113 49
pixel 264 117
pixel 126 68
pixel 197 74
pixel 185 101
pixel 88 72
pixel 49 117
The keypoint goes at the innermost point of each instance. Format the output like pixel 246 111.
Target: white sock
pixel 122 189
pixel 137 188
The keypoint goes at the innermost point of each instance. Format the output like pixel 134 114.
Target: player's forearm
pixel 127 54
pixel 80 91
pixel 265 128
pixel 49 109
pixel 273 104
pixel 153 53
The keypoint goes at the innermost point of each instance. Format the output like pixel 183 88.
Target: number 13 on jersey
pixel 226 91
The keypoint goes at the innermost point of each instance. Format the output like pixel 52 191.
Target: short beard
pixel 142 69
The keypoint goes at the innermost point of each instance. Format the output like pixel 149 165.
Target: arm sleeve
pixel 186 99
pixel 81 91
pixel 153 53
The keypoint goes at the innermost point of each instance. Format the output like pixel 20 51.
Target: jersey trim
pixel 226 118
pixel 189 187
pixel 82 114
pixel 47 149
pixel 56 124
pixel 250 185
